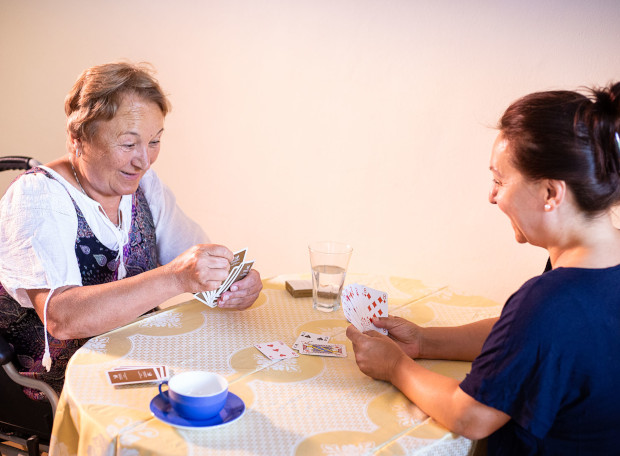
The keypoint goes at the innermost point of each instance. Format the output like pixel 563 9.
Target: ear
pixel 555 191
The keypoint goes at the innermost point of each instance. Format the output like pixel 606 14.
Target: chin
pixel 521 239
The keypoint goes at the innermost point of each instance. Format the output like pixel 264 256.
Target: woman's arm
pixel 78 312
pixel 452 342
pixel 438 396
pixel 455 342
pixel 442 398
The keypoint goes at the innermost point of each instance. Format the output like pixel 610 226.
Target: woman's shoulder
pixel 567 280
pixel 38 187
pixel 560 290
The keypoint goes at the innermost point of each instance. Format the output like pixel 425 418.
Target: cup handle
pixel 164 394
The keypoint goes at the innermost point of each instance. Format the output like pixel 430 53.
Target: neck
pixel 112 210
pixel 595 245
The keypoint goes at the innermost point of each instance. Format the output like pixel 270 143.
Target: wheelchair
pixel 23 421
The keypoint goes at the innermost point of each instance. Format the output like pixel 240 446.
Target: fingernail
pixel 234 288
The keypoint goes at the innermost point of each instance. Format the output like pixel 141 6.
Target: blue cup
pixel 196 395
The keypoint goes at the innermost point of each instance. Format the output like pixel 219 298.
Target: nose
pixel 141 158
pixel 493 195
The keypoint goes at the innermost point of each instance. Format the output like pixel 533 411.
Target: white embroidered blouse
pixel 38 229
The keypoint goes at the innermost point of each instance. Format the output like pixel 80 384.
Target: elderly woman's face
pixel 123 148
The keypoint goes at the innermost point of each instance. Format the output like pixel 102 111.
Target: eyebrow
pixel 134 133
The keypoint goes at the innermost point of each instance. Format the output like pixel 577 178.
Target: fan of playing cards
pixel 360 304
pixel 238 270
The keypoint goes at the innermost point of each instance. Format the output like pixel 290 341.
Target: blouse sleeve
pixel 174 230
pixel 37 237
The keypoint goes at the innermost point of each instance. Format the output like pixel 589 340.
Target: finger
pixel 373 333
pixel 209 285
pixel 385 322
pixel 217 250
pixel 239 303
pixel 207 274
pixel 353 333
pixel 251 281
pixel 241 293
pixel 236 295
pixel 213 262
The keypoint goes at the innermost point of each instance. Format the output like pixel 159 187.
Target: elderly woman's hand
pixel 243 293
pixel 202 267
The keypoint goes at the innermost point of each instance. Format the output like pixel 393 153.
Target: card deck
pixel 310 348
pixel 361 304
pixel 238 270
pixel 299 288
pixel 309 337
pixel 276 350
pixel 127 375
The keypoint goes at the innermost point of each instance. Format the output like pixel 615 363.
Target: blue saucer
pixel 162 410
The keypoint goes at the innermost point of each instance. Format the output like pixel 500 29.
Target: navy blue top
pixel 552 362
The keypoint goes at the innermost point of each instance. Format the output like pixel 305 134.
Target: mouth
pixel 131 176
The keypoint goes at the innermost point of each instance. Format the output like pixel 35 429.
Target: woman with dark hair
pixel 71 230
pixel 544 375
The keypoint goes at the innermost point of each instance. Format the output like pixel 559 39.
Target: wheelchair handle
pixel 17 162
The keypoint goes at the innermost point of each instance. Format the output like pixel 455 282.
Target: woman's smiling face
pixel 522 200
pixel 122 149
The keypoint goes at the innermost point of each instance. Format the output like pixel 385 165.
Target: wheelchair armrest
pixel 6 358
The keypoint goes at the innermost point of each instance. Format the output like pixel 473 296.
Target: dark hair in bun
pixel 569 136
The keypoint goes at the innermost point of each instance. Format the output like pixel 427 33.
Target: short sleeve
pixel 519 370
pixel 174 230
pixel 37 237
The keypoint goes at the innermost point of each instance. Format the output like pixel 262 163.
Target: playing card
pixel 238 273
pixel 309 337
pixel 202 297
pixel 238 258
pixel 360 304
pixel 244 270
pixel 375 305
pixel 276 350
pixel 137 374
pixel 238 270
pixel 337 350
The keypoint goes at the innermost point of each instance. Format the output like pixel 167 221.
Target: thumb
pixel 384 322
pixel 352 332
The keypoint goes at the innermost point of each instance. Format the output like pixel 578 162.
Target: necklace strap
pixel 120 218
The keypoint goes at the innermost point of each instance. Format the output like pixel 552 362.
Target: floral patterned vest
pixel 23 328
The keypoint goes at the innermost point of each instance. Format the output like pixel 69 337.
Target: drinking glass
pixel 329 261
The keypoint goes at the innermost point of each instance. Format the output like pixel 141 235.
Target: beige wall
pixel 298 120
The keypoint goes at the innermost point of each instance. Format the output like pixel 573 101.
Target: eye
pixel 129 145
pixel 154 143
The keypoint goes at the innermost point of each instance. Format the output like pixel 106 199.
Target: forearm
pixel 455 342
pixel 87 311
pixel 441 398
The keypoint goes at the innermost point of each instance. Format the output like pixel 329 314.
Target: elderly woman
pixel 545 375
pixel 71 230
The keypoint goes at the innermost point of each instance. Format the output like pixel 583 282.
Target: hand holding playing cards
pixel 243 293
pixel 201 267
pixel 376 355
pixel 405 333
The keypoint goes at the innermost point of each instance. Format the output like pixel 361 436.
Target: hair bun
pixel 607 100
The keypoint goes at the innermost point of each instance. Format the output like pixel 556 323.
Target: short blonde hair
pixel 98 92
